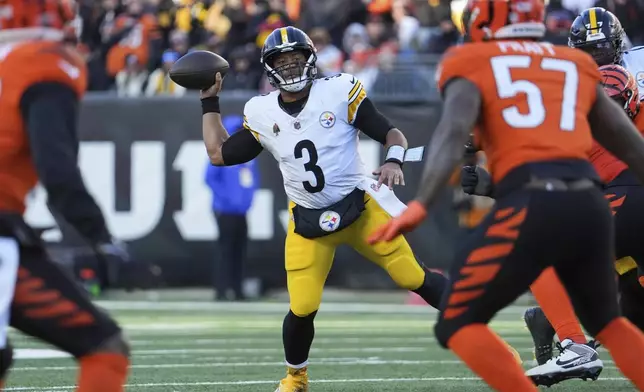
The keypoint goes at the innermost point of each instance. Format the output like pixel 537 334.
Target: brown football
pixel 197 69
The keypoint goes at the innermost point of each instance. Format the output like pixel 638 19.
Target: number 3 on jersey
pixel 311 165
pixel 508 88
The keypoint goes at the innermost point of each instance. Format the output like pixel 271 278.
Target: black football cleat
pixel 542 333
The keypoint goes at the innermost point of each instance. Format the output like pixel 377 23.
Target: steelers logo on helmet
pixel 329 221
pixel 599 33
pixel 289 57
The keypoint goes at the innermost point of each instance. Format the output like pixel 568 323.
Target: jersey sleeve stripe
pixel 354 90
pixel 246 126
pixel 356 94
pixel 355 104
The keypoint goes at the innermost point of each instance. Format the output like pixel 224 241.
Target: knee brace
pixel 6 358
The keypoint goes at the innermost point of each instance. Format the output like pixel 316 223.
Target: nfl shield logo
pixel 329 221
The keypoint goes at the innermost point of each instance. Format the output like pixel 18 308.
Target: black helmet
pixel 599 33
pixel 291 77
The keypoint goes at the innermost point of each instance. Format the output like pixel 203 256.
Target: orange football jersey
pixel 535 100
pixel 606 164
pixel 30 13
pixel 22 66
pixel 136 42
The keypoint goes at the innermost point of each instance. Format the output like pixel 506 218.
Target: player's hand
pixel 411 218
pixel 469 179
pixel 213 90
pixel 476 181
pixel 391 174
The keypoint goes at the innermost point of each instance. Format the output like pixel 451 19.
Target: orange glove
pixel 406 222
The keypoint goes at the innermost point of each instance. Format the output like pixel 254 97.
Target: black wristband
pixel 210 105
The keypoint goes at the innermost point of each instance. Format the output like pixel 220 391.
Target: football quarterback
pixel 311 125
pixel 43 80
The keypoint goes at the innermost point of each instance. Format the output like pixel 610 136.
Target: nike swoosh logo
pixel 585 358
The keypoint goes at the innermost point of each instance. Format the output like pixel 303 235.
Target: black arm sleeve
pixel 49 111
pixel 371 122
pixel 240 147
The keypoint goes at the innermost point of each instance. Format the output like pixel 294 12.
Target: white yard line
pixel 279 307
pixel 269 382
pixel 314 362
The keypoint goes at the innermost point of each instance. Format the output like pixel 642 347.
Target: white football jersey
pixel 633 61
pixel 317 150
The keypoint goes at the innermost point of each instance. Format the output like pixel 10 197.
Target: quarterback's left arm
pixel 378 127
pixel 460 112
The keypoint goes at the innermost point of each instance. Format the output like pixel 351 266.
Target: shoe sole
pixel 585 374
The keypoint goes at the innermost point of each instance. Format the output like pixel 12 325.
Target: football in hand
pixel 196 70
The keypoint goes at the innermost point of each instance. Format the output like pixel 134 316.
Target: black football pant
pixel 47 303
pixel 529 229
pixel 626 199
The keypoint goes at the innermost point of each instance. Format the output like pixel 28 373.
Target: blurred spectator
pixel 141 38
pixel 355 39
pixel 131 79
pixel 233 189
pixel 348 34
pixel 212 43
pixel 393 82
pixel 437 31
pixel 577 6
pixel 330 58
pixel 179 42
pixel 377 30
pixel 244 73
pixel 269 15
pixel 189 18
pixel 631 14
pixel 558 22
pixel 332 15
pixel 159 82
pixel 406 26
pixel 228 20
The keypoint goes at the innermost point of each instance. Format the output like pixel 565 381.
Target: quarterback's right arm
pixel 223 149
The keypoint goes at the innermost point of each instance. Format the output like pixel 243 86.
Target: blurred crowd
pixel 391 45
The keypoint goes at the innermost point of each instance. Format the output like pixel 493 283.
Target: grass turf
pixel 181 347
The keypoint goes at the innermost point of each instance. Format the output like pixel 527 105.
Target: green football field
pixel 193 346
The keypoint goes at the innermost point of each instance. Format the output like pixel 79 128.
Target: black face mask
pixel 602 52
